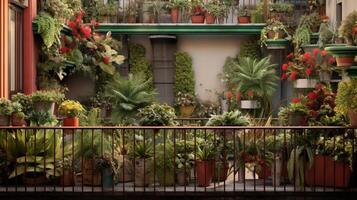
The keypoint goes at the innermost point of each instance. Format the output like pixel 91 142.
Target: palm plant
pixel 127 96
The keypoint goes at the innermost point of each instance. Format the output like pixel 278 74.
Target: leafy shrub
pixel 184 75
pixel 138 62
pixel 157 115
pixel 233 118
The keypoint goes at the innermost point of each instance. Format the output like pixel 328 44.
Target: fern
pixel 301 36
pixel 49 29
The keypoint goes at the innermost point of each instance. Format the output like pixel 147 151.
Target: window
pixel 15 49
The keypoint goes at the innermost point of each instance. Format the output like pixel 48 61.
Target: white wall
pixel 209 54
pixel 347 7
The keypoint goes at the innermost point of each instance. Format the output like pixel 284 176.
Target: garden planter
pixel 182 177
pixel 142 178
pixel 166 180
pixel 175 15
pixel 353 118
pixel 91 176
pixel 265 172
pixel 221 20
pixel 125 173
pixel 205 171
pixel 107 178
pixel 71 121
pixel 131 20
pixel 276 170
pixel 325 76
pixel 344 55
pixel 328 172
pixel 199 19
pixel 44 106
pixel 210 19
pixel 34 179
pixel 221 172
pixel 244 19
pixel 305 83
pixel 297 119
pixel 250 104
pixel 186 111
pixel 67 178
pixel 17 121
pixel 276 44
pixel 4 120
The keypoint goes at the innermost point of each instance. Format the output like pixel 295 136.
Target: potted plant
pixel 107 11
pixel 68 175
pixel 345 54
pixel 243 15
pixel 295 114
pixel 142 155
pixel 131 13
pixel 184 160
pixel 324 63
pixel 274 35
pixel 105 165
pixel 205 163
pixel 280 11
pixel 214 10
pixel 5 112
pixel 44 101
pixel 157 115
pixel 301 68
pixel 346 102
pixel 155 10
pixel 198 14
pixel 186 103
pixel 177 7
pixel 165 163
pixel 331 167
pixel 17 116
pixel 71 110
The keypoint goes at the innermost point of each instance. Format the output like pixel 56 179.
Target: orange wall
pixel 4 20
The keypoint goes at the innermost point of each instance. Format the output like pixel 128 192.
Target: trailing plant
pixel 71 108
pixel 346 29
pixel 49 29
pixel 184 75
pixel 233 118
pixel 346 98
pixel 127 96
pixel 157 115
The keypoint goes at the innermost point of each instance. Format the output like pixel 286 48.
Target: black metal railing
pixel 185 159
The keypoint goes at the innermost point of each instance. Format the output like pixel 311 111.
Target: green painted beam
pixel 182 29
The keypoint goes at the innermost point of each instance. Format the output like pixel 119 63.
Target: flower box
pixel 305 83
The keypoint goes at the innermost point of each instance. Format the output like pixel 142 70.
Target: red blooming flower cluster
pixel 306 65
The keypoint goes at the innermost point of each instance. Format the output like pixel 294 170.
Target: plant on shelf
pixel 346 100
pixel 127 96
pixel 71 110
pixel 107 10
pixel 44 101
pixel 274 30
pixel 156 8
pixel 186 103
pixel 312 21
pixel 198 13
pixel 257 14
pixel 157 115
pixel 17 116
pixel 244 15
pixel 131 12
pixel 295 114
pixel 178 7
pixel 25 101
pixel 215 10
pixel 257 80
pixel 280 10
pixel 5 112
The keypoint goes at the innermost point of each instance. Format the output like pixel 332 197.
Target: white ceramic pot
pixel 305 83
pixel 250 104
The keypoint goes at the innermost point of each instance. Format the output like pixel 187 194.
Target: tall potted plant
pixel 71 110
pixel 346 102
pixel 186 103
pixel 198 14
pixel 5 112
pixel 142 155
pixel 205 163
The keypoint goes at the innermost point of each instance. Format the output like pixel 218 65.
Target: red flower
pixel 72 24
pixel 64 50
pixel 291 63
pixel 106 59
pixel 291 55
pixel 316 51
pixel 239 96
pixel 319 86
pixel 284 67
pixel 293 75
pixel 284 76
pixel 86 31
pixel 312 96
pixel 250 93
pixel 296 100
pixel 306 56
pixel 229 95
pixel 308 71
pixel 324 53
pixel 331 60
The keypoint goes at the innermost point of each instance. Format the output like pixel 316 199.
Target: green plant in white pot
pixel 44 101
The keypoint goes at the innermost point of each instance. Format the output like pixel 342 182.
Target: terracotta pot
pixel 67 178
pixel 91 176
pixel 4 120
pixel 205 171
pixel 175 15
pixel 17 121
pixel 272 34
pixel 186 111
pixel 328 172
pixel 44 106
pixel 210 19
pixel 298 119
pixel 142 173
pixel 244 19
pixel 131 19
pixel 35 180
pixel 199 19
pixel 345 62
pixel 221 172
pixel 71 121
pixel 353 118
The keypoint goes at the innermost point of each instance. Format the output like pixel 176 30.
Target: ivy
pixel 138 62
pixel 184 75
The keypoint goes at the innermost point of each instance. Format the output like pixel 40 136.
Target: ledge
pixel 182 29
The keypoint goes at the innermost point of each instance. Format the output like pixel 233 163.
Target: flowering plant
pixel 306 65
pixel 71 108
pixel 185 99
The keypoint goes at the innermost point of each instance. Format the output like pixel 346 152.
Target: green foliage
pixel 258 14
pixel 233 118
pixel 250 49
pixel 127 96
pixel 292 108
pixel 216 8
pixel 92 144
pixel 346 98
pixel 281 7
pixel 5 107
pixel 185 99
pixel 338 148
pixel 109 9
pixel 47 96
pixel 346 28
pixel 49 29
pixel 42 119
pixel 184 75
pixel 301 36
pixel 139 64
pixel 180 4
pixel 206 150
pixel 312 21
pixel 327 35
pixel 157 115
pixel 300 157
pixel 273 26
pixel 143 150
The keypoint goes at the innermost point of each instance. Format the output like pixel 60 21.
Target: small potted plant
pixel 176 8
pixel 71 109
pixel 155 10
pixel 17 116
pixel 243 15
pixel 68 175
pixel 198 14
pixel 280 11
pixel 186 103
pixel 205 163
pixel 157 115
pixel 131 13
pixel 301 68
pixel 44 101
pixel 325 64
pixel 214 10
pixel 107 11
pixel 274 35
pixel 295 114
pixel 5 112
pixel 345 54
pixel 346 102
pixel 142 155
